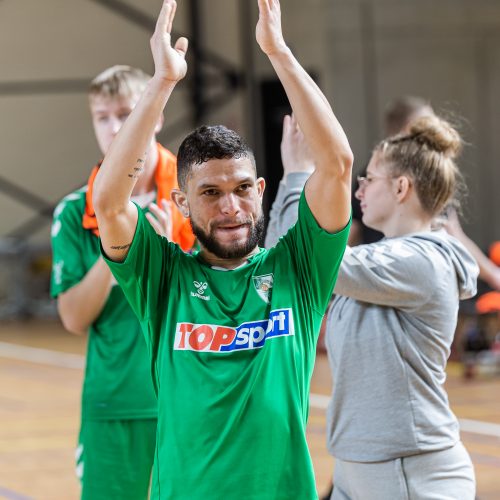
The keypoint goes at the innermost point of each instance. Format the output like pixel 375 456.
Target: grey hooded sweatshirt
pixel 389 332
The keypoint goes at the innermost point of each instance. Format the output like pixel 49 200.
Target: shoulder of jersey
pixel 70 199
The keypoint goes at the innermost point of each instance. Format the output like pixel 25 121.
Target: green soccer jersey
pixel 232 354
pixel 118 383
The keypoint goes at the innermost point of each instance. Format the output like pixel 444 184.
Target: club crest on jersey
pixel 248 335
pixel 200 290
pixel 263 286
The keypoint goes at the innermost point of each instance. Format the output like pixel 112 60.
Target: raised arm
pixel 328 190
pixel 298 165
pixel 116 214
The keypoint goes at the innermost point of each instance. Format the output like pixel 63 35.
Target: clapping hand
pixel 170 62
pixel 295 153
pixel 268 31
pixel 161 218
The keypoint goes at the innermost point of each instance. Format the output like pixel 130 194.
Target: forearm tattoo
pixel 138 169
pixel 121 247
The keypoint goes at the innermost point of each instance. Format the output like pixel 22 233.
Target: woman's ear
pixel 180 200
pixel 402 187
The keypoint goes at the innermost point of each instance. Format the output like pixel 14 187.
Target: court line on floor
pixel 477 427
pixel 77 361
pixel 41 356
pixel 12 495
pixel 320 401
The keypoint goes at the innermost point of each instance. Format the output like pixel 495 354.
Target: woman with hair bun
pixel 392 321
pixel 391 325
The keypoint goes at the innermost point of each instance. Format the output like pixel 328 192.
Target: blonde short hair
pixel 119 81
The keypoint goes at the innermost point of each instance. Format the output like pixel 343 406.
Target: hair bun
pixel 438 135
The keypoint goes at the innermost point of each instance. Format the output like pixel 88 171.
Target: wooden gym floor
pixel 41 369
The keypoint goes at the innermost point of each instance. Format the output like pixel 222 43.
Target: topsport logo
pixel 249 335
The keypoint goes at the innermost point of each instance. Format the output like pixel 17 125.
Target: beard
pixel 230 251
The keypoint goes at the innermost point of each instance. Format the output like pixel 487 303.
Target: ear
pixel 402 187
pixel 261 186
pixel 180 200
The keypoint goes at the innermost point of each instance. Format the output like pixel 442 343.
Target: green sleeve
pixel 144 275
pixel 67 238
pixel 316 255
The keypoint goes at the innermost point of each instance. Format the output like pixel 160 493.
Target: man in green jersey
pixel 231 330
pixel 119 407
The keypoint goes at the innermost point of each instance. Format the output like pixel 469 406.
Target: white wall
pixel 447 51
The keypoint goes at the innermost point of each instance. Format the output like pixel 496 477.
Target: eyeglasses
pixel 365 181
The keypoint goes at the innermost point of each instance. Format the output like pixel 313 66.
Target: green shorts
pixel 114 458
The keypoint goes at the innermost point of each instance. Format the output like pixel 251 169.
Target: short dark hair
pixel 209 142
pixel 400 111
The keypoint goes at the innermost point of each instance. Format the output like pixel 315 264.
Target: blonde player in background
pixel 119 408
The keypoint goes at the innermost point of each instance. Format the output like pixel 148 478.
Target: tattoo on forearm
pixel 121 247
pixel 137 172
pixel 138 169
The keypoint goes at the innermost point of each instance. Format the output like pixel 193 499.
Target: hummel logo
pixel 200 290
pixel 200 286
pixel 57 269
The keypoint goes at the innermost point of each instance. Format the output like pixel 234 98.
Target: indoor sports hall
pixel 365 55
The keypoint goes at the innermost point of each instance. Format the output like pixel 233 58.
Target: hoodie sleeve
pixel 284 211
pixel 401 272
